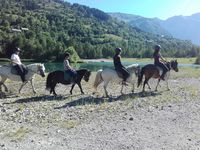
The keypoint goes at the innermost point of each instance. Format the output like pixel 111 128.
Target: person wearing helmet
pixel 67 68
pixel 159 60
pixel 118 65
pixel 16 63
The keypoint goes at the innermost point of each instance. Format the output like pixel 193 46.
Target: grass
pixel 19 134
pixel 69 124
pixel 150 60
pixel 186 72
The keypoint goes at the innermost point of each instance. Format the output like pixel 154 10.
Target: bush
pixel 73 54
pixel 197 60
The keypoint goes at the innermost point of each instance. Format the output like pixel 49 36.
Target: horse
pixel 36 68
pixel 152 71
pixel 58 77
pixel 108 75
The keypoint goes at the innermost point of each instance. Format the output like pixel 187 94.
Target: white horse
pixel 36 68
pixel 108 75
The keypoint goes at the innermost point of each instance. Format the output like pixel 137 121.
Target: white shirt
pixel 15 58
pixel 66 64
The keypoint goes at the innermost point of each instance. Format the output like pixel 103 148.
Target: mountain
pixel 184 27
pixel 181 27
pixel 151 25
pixel 46 29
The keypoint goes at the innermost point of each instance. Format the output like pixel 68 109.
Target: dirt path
pixel 153 120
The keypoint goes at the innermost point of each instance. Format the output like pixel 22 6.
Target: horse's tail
pixel 49 81
pixel 140 76
pixel 98 79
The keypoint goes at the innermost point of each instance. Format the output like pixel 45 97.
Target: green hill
pixel 45 29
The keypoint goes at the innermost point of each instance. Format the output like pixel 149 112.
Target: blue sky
pixel 162 9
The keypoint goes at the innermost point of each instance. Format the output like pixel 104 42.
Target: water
pixel 94 66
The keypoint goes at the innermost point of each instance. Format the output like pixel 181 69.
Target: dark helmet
pixel 157 47
pixel 66 54
pixel 118 49
pixel 17 49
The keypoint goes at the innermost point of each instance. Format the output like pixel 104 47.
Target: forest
pixel 46 29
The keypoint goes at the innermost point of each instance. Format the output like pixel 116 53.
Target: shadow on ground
pixel 41 98
pixel 98 100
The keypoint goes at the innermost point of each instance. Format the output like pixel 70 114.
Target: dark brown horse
pixel 152 71
pixel 58 77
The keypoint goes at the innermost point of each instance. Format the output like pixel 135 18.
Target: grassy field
pixel 150 60
pixel 190 60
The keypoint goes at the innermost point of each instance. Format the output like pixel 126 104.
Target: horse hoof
pixel 82 93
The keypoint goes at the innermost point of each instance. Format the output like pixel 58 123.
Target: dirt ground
pixel 133 121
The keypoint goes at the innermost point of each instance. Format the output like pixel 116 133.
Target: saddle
pixel 67 76
pixel 15 72
pixel 160 70
pixel 120 75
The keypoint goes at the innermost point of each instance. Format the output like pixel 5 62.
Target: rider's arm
pixel 67 65
pixel 162 58
pixel 13 60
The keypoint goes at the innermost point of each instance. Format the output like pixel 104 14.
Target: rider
pixel 68 68
pixel 118 65
pixel 16 63
pixel 160 61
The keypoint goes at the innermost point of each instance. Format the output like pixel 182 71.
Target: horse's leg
pixel 105 86
pixel 3 79
pixel 53 89
pixel 79 84
pixel 6 89
pixel 33 88
pixel 122 89
pixel 145 82
pixel 24 83
pixel 148 86
pixel 157 84
pixel 167 85
pixel 72 88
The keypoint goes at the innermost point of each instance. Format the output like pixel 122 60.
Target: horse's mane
pixel 35 64
pixel 132 66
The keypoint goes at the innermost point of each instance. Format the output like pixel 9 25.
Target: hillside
pixel 44 29
pixel 184 27
pixel 181 27
pixel 151 25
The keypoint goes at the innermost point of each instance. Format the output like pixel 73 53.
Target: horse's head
pixel 41 70
pixel 86 76
pixel 135 68
pixel 174 65
pixel 37 68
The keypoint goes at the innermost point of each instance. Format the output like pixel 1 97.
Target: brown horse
pixel 152 71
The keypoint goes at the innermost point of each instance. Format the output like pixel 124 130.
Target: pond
pixel 93 66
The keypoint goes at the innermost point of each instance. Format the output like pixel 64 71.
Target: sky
pixel 162 9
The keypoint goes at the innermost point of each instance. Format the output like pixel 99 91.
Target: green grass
pixel 150 60
pixel 19 134
pixel 186 72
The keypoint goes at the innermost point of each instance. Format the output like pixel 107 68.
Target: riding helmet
pixel 157 47
pixel 17 49
pixel 118 49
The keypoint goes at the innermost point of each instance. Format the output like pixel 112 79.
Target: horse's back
pixel 109 74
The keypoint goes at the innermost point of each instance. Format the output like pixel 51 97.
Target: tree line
pixel 46 29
